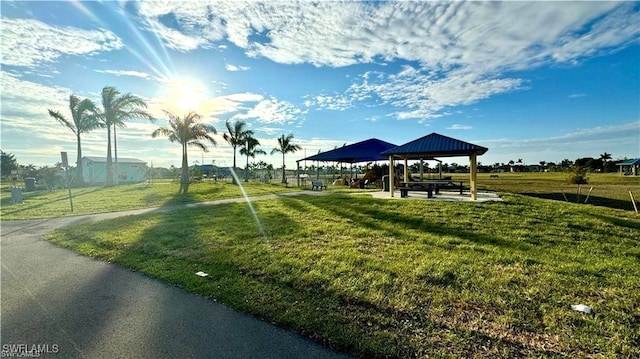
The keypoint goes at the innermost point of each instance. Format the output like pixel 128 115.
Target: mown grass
pixel 391 278
pixel 46 204
pixel 609 189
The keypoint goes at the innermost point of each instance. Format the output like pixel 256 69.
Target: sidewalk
pixel 77 307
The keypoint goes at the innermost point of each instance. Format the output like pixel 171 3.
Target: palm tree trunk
pixel 109 178
pixel 115 153
pixel 184 178
pixel 234 158
pixel 246 171
pixel 79 180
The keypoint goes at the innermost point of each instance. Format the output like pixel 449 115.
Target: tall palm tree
pixel 187 131
pixel 250 150
pixel 236 135
pixel 82 120
pixel 605 157
pixel 117 109
pixel 285 146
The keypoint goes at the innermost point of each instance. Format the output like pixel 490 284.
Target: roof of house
pixel 631 162
pixel 120 160
pixel 363 151
pixel 435 145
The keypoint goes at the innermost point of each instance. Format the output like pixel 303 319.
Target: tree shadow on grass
pixel 37 199
pixel 617 221
pixel 593 200
pixel 323 291
pixel 378 217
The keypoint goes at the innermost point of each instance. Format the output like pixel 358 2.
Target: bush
pixel 578 175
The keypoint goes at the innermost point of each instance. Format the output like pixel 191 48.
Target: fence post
pixel 633 201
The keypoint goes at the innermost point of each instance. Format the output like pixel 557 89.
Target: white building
pixel 129 170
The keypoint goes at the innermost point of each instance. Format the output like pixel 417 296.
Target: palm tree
pixel 236 135
pixel 82 120
pixel 285 146
pixel 605 157
pixel 187 131
pixel 8 163
pixel 250 150
pixel 117 109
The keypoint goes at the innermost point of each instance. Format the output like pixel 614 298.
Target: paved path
pixel 78 307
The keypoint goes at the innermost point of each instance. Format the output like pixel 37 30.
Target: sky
pixel 537 81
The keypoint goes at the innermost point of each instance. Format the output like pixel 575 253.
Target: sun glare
pixel 186 95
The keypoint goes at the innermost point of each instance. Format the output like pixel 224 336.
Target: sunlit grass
pixel 609 189
pixel 45 204
pixel 402 279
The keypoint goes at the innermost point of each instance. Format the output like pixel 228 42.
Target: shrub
pixel 578 175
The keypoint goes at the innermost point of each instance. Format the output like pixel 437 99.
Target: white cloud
pixel 484 35
pixel 29 43
pixel 459 127
pixel 423 95
pixel 460 49
pixel 271 131
pixel 577 95
pixel 29 99
pixel 234 68
pixel 233 103
pixel 139 74
pixel 274 111
pixel 327 102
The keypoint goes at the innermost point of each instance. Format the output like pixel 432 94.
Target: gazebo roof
pixel 364 151
pixel 631 162
pixel 435 145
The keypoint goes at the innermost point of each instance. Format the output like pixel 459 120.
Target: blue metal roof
pixel 435 145
pixel 631 162
pixel 364 151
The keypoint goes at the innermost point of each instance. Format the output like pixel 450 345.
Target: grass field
pixel 402 279
pixel 45 204
pixel 609 189
pixel 397 279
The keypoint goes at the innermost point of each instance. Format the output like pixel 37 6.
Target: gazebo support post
pixel 298 172
pixel 421 170
pixel 391 176
pixel 473 164
pixel 406 170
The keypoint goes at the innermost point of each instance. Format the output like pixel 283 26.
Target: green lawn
pixel 45 204
pixel 609 189
pixel 394 278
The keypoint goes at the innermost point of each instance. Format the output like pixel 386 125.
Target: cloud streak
pixel 274 111
pixel 29 43
pixel 488 36
pixel 233 68
pixel 459 50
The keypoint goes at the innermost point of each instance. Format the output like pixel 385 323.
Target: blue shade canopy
pixel 435 145
pixel 365 151
pixel 631 162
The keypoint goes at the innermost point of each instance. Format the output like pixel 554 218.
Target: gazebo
pixel 632 164
pixel 432 146
pixel 363 151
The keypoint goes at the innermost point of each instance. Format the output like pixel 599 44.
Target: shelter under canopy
pixel 434 145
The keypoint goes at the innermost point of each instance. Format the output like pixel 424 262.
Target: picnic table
pixel 429 186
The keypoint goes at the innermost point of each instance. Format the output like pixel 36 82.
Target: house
pixel 129 170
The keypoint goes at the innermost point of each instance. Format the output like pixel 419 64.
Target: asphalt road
pixel 69 306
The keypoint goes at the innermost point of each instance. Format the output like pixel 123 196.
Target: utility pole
pixel 65 164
